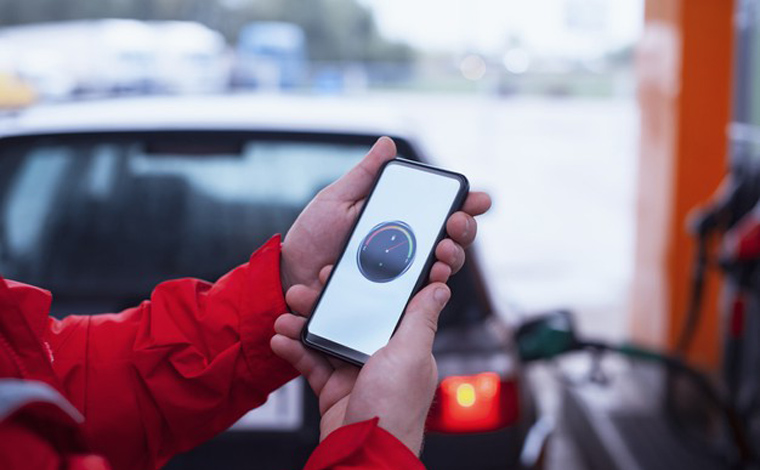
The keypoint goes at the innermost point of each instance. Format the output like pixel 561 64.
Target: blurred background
pixel 535 101
pixel 596 125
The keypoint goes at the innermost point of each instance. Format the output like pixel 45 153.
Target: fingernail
pixel 466 226
pixel 441 295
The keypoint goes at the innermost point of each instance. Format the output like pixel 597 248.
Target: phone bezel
pixel 344 352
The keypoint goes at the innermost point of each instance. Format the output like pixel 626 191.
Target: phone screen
pixel 385 256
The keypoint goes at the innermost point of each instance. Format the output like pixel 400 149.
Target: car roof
pixel 283 113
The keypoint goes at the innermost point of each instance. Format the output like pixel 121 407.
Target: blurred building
pixel 576 32
pixel 62 60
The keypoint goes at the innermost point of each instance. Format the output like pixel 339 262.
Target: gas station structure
pixel 695 308
pixel 684 66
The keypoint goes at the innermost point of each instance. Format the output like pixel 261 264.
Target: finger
pixel 440 272
pixel 450 253
pixel 289 325
pixel 315 369
pixel 477 203
pixel 420 322
pixel 462 228
pixel 301 298
pixel 324 274
pixel 338 363
pixel 356 184
pixel 339 386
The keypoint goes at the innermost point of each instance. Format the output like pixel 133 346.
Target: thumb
pixel 356 184
pixel 420 322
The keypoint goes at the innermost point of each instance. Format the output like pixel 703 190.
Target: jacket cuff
pixel 363 445
pixel 262 302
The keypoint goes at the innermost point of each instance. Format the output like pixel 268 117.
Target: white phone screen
pixel 385 256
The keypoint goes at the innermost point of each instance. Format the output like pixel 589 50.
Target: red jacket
pixel 154 380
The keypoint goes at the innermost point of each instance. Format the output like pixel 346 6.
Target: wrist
pixel 411 437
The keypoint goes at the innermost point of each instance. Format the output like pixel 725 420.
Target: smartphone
pixel 385 261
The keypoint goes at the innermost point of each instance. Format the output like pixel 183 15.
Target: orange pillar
pixel 684 67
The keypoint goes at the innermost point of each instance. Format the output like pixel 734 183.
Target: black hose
pixel 693 315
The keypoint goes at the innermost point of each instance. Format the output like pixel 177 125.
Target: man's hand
pixel 396 384
pixel 316 237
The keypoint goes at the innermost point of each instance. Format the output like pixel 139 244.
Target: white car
pixel 116 56
pixel 231 171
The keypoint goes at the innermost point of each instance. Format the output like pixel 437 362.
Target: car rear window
pixel 101 219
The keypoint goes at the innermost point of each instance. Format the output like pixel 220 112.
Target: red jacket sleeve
pixel 161 378
pixel 362 446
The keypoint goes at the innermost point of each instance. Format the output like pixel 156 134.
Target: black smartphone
pixel 386 259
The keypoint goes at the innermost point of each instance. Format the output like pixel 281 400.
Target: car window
pixel 101 221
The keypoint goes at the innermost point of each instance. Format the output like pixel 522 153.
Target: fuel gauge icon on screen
pixel 387 251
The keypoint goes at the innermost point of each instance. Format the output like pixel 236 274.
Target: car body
pixel 190 58
pixel 15 93
pixel 211 178
pixel 61 59
pixel 270 55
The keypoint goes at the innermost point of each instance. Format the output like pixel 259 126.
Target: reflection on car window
pixel 278 172
pixel 104 221
pixel 103 171
pixel 31 199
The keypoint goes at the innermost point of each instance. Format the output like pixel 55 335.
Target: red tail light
pixel 474 403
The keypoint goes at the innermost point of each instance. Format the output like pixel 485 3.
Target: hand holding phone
pixel 316 238
pixel 386 260
pixel 396 384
